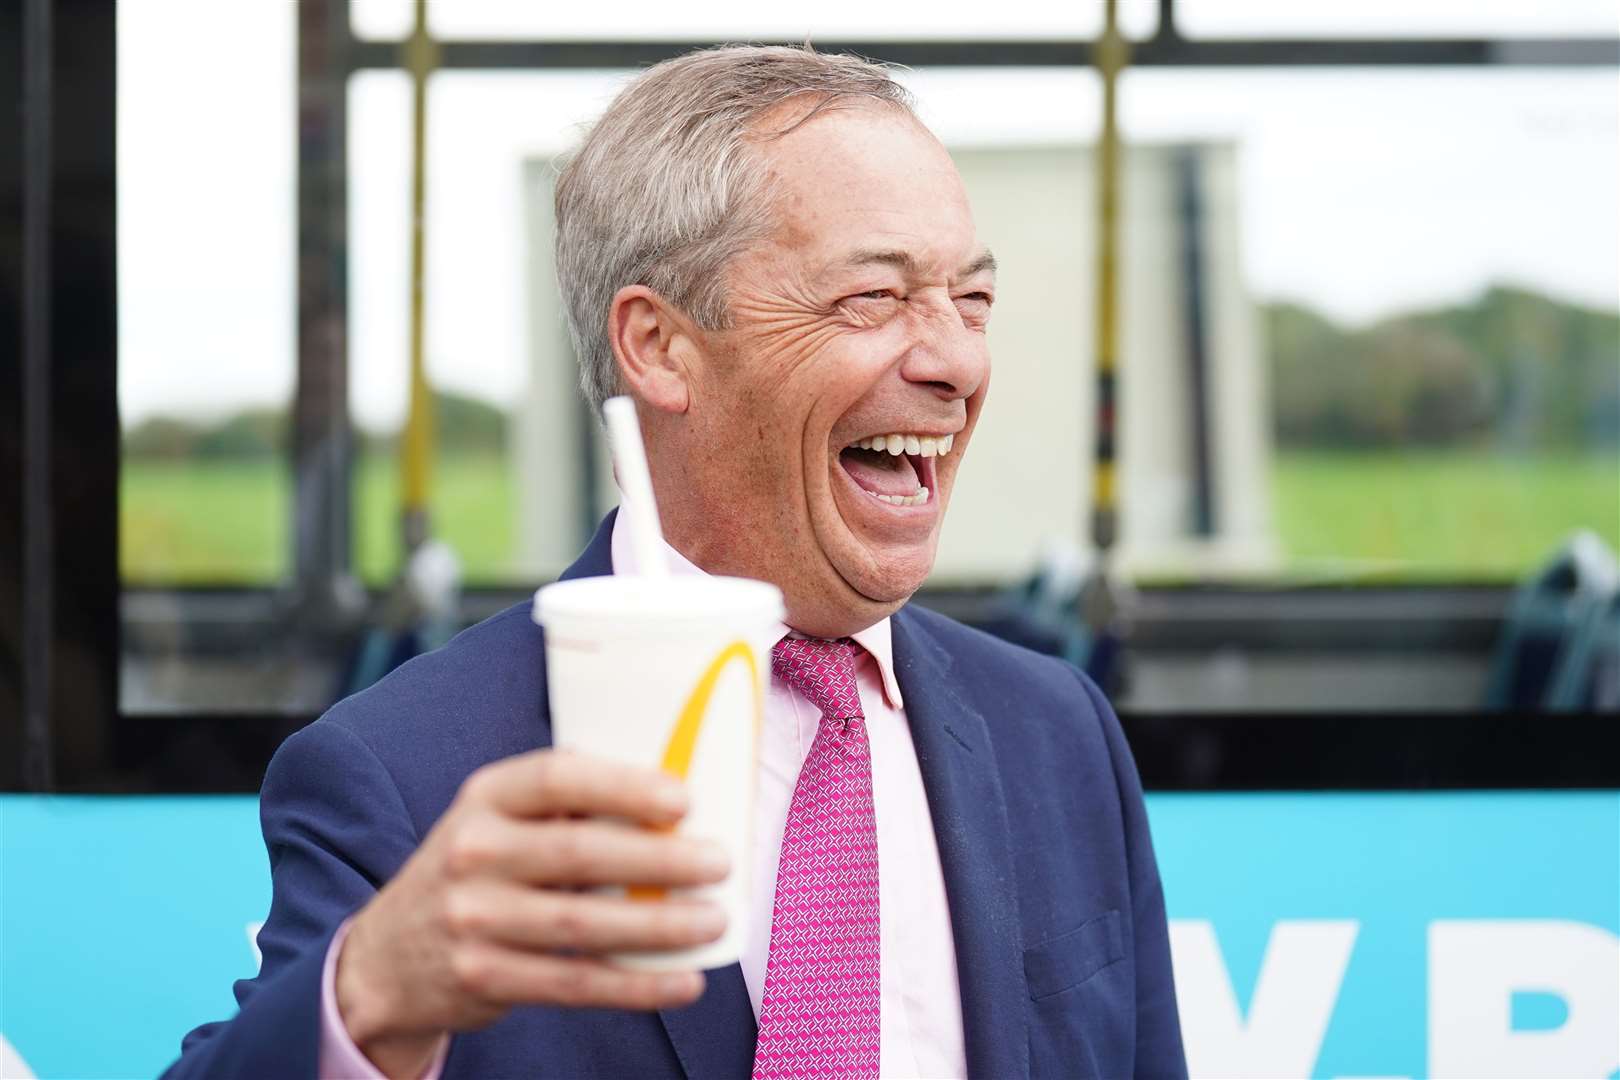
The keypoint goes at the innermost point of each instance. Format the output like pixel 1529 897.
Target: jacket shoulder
pixel 439 716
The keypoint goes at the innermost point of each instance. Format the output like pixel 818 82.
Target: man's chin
pixel 891 582
pixel 872 575
pixel 854 596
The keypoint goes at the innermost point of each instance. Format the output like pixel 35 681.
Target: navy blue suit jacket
pixel 1055 901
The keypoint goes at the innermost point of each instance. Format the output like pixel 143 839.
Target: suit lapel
pixel 963 783
pixel 714 1037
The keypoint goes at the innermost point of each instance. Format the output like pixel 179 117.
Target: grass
pixel 1440 516
pixel 474 510
pixel 229 522
pixel 204 522
pixel 1430 516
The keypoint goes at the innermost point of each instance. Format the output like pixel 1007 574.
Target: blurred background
pixel 1366 371
pixel 1368 354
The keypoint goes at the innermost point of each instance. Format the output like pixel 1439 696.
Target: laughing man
pixel 771 254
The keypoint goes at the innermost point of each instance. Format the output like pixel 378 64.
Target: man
pixel 767 250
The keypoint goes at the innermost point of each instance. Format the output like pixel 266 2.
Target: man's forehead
pixel 908 262
pixel 863 187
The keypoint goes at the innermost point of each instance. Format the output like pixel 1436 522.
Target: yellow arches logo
pixel 683 740
pixel 677 760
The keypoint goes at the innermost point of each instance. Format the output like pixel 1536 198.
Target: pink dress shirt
pixel 921 1027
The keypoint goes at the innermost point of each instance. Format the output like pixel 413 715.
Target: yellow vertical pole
pixel 1101 600
pixel 1113 53
pixel 416 445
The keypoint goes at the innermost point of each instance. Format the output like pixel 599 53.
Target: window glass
pixel 1400 285
pixel 1379 253
pixel 506 482
pixel 1429 265
pixel 205 291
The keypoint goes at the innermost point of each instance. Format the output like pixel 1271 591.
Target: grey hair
pixel 664 191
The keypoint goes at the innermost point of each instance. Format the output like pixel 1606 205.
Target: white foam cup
pixel 669 673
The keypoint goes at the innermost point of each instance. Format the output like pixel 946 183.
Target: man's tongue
pixel 881 473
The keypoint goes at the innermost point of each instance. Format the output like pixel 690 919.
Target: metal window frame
pixel 59 629
pixel 1162 50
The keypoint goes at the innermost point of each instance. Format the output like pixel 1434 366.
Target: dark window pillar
pixel 59 385
pixel 322 443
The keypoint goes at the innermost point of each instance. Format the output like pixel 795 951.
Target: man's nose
pixel 947 356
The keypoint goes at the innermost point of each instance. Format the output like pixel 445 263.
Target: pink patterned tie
pixel 819 1017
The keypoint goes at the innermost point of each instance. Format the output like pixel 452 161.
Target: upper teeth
pixel 916 445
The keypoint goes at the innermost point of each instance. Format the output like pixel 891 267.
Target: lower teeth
pixel 906 500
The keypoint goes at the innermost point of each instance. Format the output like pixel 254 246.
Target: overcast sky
pixel 1362 192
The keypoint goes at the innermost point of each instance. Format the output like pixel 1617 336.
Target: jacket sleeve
pixel 335 829
pixel 1159 1051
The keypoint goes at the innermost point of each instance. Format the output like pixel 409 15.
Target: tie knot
pixel 822 671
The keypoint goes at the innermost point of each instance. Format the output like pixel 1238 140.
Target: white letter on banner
pixel 1475 965
pixel 12 1066
pixel 1293 998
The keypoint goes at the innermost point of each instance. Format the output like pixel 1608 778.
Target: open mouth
pixel 896 469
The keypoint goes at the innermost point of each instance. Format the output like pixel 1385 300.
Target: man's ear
pixel 653 345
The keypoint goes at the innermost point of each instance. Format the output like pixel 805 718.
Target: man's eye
pixel 974 308
pixel 873 294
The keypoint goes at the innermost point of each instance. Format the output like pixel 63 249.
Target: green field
pixel 1439 516
pixel 230 522
pixel 1435 516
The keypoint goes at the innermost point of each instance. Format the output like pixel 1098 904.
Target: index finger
pixel 547 783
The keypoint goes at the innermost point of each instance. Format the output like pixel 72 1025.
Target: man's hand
pixel 488 913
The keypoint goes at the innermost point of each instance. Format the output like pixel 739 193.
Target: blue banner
pixel 1331 935
pixel 1395 935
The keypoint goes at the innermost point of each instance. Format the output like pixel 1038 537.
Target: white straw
pixel 635 483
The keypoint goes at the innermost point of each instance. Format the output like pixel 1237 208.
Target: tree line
pixel 1513 370
pixel 461 425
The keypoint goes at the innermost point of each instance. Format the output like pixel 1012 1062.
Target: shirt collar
pixel 876 639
